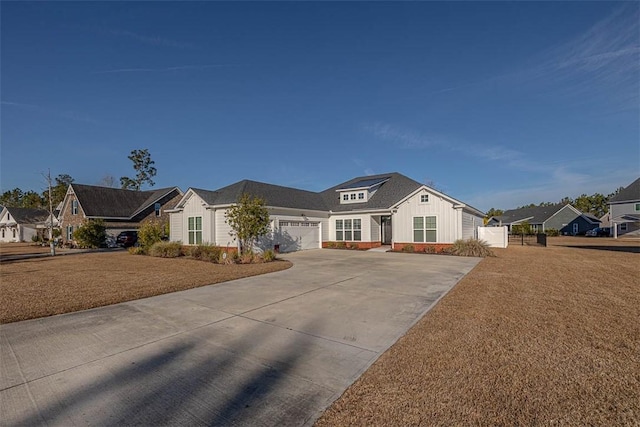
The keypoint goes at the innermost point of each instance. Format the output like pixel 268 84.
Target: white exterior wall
pixel 222 229
pixel 193 208
pixel 470 224
pixel 365 226
pixel 175 227
pixel 374 235
pixel 448 219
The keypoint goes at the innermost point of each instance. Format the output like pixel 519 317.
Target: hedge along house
pixel 369 211
pixel 564 218
pixel 119 209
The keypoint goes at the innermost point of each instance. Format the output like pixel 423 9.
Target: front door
pixel 386 229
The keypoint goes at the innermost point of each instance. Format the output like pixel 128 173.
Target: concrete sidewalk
pixel 265 350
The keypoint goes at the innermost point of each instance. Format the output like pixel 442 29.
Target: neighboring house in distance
pixel 564 218
pixel 369 211
pixel 21 224
pixel 119 209
pixel 624 210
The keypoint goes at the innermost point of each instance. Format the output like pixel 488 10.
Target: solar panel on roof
pixel 365 183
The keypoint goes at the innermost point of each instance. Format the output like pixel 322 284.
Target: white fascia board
pixel 361 211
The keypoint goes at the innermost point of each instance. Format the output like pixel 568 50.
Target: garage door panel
pixel 297 235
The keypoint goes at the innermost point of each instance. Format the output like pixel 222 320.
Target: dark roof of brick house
pixel 631 193
pixel 107 202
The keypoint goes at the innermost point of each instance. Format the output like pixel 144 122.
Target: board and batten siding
pixel 193 208
pixel 448 218
pixel 375 229
pixel 175 227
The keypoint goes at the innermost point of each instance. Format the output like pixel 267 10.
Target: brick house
pixel 119 209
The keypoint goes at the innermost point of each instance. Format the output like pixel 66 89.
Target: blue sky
pixel 497 104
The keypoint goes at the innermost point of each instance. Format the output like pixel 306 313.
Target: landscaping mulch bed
pixel 534 336
pixel 54 285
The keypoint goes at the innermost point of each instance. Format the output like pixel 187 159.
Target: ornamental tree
pixel 249 220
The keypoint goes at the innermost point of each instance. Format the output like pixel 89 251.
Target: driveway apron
pixel 267 350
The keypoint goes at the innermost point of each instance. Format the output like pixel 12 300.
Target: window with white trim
pixel 360 196
pixel 14 232
pixel 353 196
pixel 349 229
pixel 425 229
pixel 424 198
pixel 194 227
pixel 158 208
pixel 74 207
pixel 345 197
pixel 69 232
pixel 623 226
pixel 637 207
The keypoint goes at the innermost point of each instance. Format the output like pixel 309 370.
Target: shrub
pixel 36 238
pixel 331 245
pixel 91 234
pixel 150 233
pixel 408 248
pixel 228 258
pixel 552 232
pixel 166 249
pixel 137 250
pixel 471 247
pixel 247 257
pixel 341 245
pixel 268 255
pixel 205 252
pixel 429 249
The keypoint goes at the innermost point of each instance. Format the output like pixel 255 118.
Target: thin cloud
pixel 163 69
pixel 151 40
pixel 64 114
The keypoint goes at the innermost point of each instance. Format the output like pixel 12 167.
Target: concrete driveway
pixel 266 350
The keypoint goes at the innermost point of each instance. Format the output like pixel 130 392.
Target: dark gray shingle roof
pixel 390 192
pixel 106 202
pixel 535 215
pixel 628 194
pixel 273 195
pixel 28 215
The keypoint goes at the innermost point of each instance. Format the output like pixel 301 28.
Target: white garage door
pixel 298 235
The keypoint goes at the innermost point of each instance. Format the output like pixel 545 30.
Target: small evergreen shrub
pixel 341 245
pixel 471 247
pixel 331 245
pixel 91 234
pixel 150 233
pixel 408 248
pixel 166 249
pixel 429 249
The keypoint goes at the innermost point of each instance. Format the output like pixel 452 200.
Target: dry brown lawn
pixel 534 336
pixel 54 285
pixel 7 249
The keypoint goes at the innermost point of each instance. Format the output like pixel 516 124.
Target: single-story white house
pixel 368 211
pixel 21 224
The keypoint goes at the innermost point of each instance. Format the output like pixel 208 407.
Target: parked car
pixel 598 232
pixel 127 238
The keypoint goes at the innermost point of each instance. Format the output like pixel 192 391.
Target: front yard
pixel 53 285
pixel 534 336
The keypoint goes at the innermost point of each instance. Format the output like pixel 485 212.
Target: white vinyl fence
pixel 496 237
